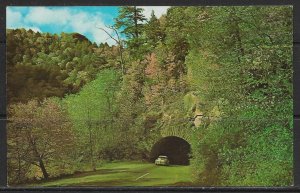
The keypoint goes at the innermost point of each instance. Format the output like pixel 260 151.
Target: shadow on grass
pixel 79 174
pixel 120 182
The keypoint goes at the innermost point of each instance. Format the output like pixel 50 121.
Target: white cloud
pixel 89 24
pixel 13 18
pixel 76 21
pixel 158 10
pixel 45 16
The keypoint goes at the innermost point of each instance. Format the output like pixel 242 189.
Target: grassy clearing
pixel 127 174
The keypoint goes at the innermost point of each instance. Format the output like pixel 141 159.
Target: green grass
pixel 127 174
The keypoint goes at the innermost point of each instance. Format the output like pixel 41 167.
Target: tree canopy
pixel 232 66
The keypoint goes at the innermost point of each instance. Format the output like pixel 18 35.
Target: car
pixel 162 160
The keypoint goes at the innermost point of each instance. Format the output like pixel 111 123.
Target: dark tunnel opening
pixel 177 149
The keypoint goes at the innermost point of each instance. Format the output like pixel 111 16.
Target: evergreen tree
pixel 153 31
pixel 131 21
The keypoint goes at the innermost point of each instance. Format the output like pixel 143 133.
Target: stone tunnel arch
pixel 176 148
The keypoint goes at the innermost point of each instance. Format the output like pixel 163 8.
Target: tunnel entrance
pixel 176 148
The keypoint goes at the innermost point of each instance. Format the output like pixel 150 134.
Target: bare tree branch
pixel 109 35
pixel 119 42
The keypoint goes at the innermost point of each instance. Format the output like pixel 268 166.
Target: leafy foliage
pixel 232 66
pixel 239 68
pixel 51 65
pixel 93 111
pixel 38 135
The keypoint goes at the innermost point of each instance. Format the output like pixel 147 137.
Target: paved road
pixel 127 174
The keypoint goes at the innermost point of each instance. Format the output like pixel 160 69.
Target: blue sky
pixel 84 19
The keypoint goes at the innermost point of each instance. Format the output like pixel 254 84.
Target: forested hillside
pixel 52 65
pixel 74 105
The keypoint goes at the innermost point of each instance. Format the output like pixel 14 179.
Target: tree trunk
pixel 38 156
pixel 42 166
pixel 136 23
pixel 122 60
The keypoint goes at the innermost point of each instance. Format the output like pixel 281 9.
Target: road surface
pixel 127 174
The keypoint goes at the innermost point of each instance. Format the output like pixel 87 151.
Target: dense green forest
pixel 74 105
